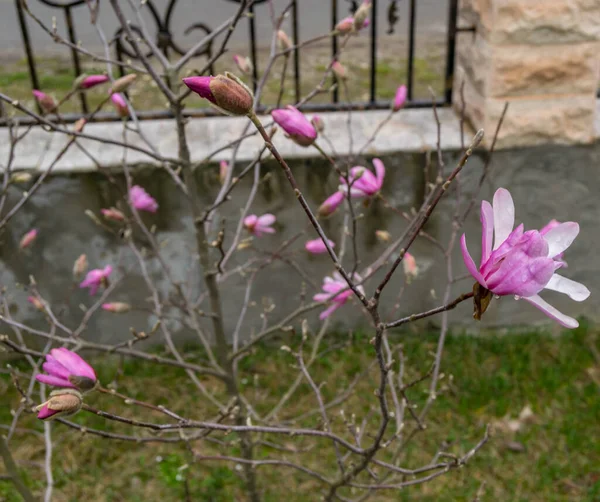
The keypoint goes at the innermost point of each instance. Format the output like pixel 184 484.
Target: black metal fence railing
pixel 166 43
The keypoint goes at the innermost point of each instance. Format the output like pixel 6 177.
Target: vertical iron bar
pixel 411 49
pixel 334 43
pixel 451 48
pixel 296 54
pixel 253 47
pixel 373 51
pixel 35 84
pixel 75 54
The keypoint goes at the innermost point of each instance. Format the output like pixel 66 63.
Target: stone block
pixel 530 121
pixel 527 70
pixel 543 21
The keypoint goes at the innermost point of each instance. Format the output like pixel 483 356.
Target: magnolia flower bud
pixel 284 41
pixel 116 307
pixel 223 166
pixel 120 104
pixel 88 81
pixel 339 71
pixel 36 302
pixel 244 64
pixel 345 26
pixel 121 84
pixel 400 98
pixel 46 102
pixel 80 266
pixel 28 238
pixel 361 15
pixel 62 402
pixel 228 93
pixel 411 270
pixel 79 125
pixel 113 214
pixel 318 123
pixel 382 235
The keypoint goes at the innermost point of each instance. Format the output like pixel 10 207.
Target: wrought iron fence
pixel 167 44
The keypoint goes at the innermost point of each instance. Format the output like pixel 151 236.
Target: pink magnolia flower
pixel 62 402
pixel 96 278
pixel 28 238
pixel 243 63
pixel 523 263
pixel 65 368
pixel 400 98
pixel 45 101
pixel 296 125
pixel 92 81
pixel 363 183
pixel 317 246
pixel 120 104
pixel 259 225
pixel 331 203
pixel 331 286
pixel 141 200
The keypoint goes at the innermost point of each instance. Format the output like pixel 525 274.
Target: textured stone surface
pixel 546 69
pixel 543 56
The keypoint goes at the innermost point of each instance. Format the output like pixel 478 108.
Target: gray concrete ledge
pixel 408 131
pixel 411 130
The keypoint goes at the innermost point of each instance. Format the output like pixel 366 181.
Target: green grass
pixel 56 78
pixel 486 380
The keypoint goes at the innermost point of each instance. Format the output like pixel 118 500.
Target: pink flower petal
pixel 54 381
pixel 327 312
pixel 469 263
pixel 73 362
pixel 561 237
pixel 266 219
pixel 575 290
pixel 504 216
pixel 487 230
pixel 550 311
pixel 46 412
pixel 380 171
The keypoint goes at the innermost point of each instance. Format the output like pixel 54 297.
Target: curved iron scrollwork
pixel 164 37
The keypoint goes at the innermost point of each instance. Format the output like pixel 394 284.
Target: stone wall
pixel 540 56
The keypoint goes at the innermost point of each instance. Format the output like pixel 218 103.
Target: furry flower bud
pixel 226 92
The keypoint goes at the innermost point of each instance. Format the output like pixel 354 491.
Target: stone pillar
pixel 541 56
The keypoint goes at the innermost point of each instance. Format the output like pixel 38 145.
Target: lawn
pixel 551 455
pixel 56 77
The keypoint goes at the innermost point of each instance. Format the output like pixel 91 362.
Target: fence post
pixel 540 56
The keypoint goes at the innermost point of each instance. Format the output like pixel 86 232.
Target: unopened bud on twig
pixel 28 239
pixel 284 41
pixel 116 307
pixel 79 125
pixel 226 92
pixel 113 214
pixel 62 402
pixel 80 266
pixel 339 70
pixel 121 84
pixel 45 101
pixel 244 64
pixel 21 177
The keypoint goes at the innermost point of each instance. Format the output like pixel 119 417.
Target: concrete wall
pixel 546 182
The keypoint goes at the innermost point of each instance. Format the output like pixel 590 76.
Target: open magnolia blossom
pixel 260 225
pixel 331 286
pixel 363 183
pixel 67 369
pixel 96 278
pixel 523 263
